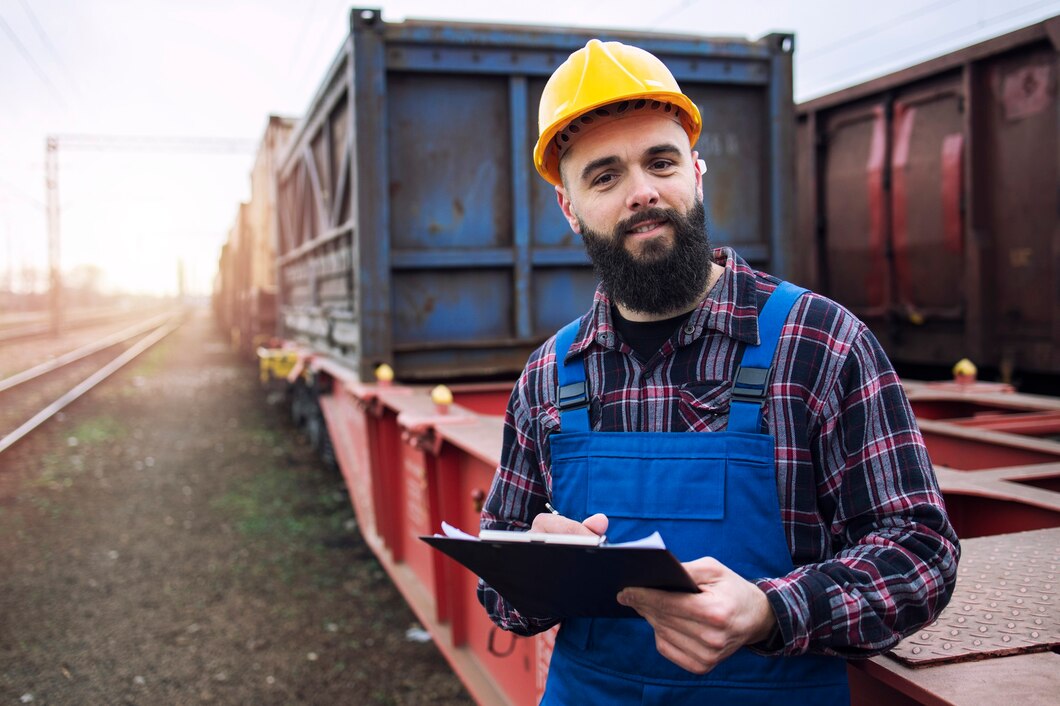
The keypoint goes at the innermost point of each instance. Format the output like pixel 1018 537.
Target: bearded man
pixel 759 427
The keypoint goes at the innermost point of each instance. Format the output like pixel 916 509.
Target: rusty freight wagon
pixel 245 295
pixel 929 203
pixel 413 230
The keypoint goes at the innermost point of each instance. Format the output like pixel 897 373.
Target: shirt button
pixel 690 329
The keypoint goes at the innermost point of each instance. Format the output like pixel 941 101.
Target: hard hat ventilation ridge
pixel 620 109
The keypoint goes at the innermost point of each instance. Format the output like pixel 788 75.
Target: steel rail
pixel 87 384
pixel 15 334
pixel 82 352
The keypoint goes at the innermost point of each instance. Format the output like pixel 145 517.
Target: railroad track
pixel 39 326
pixel 37 394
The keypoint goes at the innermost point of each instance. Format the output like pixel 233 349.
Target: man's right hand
pixel 558 524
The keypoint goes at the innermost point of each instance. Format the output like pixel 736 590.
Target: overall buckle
pixel 573 395
pixel 750 385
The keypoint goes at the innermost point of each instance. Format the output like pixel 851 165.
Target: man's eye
pixel 603 180
pixel 661 164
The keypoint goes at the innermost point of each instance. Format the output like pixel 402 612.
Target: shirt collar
pixel 730 308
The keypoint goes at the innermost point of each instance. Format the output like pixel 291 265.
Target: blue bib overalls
pixel 708 494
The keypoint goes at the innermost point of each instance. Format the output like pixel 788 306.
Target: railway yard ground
pixel 170 538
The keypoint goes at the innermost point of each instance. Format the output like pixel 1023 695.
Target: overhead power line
pixel 155 143
pixel 12 189
pixel 667 14
pixel 49 44
pixel 853 38
pixel 30 60
pixel 851 72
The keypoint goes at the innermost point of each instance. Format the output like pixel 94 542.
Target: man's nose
pixel 642 192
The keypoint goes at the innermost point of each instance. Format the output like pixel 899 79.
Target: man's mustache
pixel 623 228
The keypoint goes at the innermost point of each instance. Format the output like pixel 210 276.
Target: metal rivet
pixel 982 628
pixel 946 645
pixel 1034 633
pixel 1006 638
pixel 925 636
pixel 917 650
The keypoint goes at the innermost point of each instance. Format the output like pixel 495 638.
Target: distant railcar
pixel 245 292
pixel 929 203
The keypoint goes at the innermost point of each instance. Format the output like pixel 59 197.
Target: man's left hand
pixel 696 631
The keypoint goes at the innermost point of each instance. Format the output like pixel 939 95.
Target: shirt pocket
pixel 703 406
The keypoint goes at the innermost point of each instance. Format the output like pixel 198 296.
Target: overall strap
pixel 753 373
pixel 573 397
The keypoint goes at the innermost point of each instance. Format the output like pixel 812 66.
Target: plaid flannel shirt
pixel 875 554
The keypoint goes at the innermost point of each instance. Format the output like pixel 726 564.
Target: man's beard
pixel 662 279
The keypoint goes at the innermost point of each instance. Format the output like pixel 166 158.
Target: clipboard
pixel 555 580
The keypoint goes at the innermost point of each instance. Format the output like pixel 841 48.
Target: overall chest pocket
pixel 703 406
pixel 658 476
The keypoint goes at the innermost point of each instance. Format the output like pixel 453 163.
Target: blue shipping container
pixel 413 228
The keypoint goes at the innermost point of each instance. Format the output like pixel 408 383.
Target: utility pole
pixel 51 183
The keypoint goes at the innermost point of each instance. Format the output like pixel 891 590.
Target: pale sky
pixel 218 68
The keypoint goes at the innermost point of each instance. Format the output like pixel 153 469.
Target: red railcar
pixel 410 464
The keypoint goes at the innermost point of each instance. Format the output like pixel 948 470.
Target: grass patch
pixel 98 430
pixel 151 362
pixel 290 512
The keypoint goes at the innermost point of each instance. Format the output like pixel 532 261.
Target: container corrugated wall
pixel 929 203
pixel 413 227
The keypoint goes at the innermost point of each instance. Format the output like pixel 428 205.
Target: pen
pixel 548 506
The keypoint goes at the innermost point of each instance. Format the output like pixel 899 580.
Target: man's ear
pixel 699 167
pixel 568 212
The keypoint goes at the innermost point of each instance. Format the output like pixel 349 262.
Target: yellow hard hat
pixel 597 75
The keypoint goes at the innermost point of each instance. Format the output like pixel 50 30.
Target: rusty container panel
pixel 1018 119
pixel 412 226
pixel 930 201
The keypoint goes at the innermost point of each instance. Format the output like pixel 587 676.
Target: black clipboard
pixel 563 580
